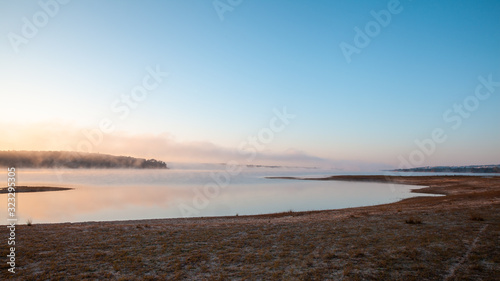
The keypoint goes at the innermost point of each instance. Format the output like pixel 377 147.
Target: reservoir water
pixel 127 194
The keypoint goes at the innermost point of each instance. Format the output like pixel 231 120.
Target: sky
pixel 340 84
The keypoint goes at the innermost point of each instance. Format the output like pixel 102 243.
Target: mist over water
pixel 126 194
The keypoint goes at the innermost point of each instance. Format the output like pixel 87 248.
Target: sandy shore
pixel 23 189
pixel 452 237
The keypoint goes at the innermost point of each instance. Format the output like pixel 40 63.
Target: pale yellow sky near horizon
pixel 58 136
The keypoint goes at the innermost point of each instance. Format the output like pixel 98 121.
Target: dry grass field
pixel 452 237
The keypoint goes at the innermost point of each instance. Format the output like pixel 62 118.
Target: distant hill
pixel 455 169
pixel 74 160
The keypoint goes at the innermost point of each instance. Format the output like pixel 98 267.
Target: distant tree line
pixel 74 160
pixel 456 169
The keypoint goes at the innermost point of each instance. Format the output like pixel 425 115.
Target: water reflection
pixel 101 195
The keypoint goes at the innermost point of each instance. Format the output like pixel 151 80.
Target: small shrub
pixel 29 222
pixel 413 220
pixel 330 256
pixel 359 255
pixel 476 217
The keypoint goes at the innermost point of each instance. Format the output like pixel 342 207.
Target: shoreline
pixel 429 184
pixel 27 189
pixel 453 185
pixel 452 237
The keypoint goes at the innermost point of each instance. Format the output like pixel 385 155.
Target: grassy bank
pixel 453 237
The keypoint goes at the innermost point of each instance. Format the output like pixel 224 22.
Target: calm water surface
pixel 103 195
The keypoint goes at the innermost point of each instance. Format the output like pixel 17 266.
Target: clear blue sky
pixel 226 76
